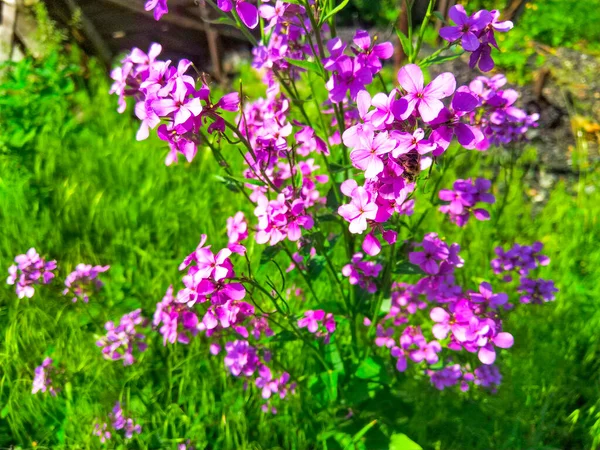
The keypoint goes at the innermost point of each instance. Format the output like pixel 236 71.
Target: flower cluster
pixel 165 94
pixel 30 269
pixel 209 279
pixel 270 385
pixel 178 321
pixel 464 197
pixel 362 273
pixel 471 328
pixel 476 34
pixel 121 340
pixel 352 73
pixel 496 119
pixel 242 359
pixel 42 380
pixel 485 376
pixel 118 422
pixel 436 256
pixel 319 323
pixel 83 281
pixel 522 260
pixel 287 41
pixel 414 346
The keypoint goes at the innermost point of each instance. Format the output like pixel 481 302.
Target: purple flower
pixel 159 6
pixel 434 251
pixel 408 142
pixel 248 12
pixel 121 340
pixel 537 291
pixel 367 156
pixel 179 105
pixel 488 376
pixel 237 228
pixel 42 380
pixel 487 296
pixel 447 377
pixel 463 199
pixel 177 320
pixel 370 55
pixel 30 269
pixel 362 273
pixel 102 432
pixel 424 99
pixel 467 28
pixel 359 210
pixel 83 281
pixel 349 75
pixel 241 358
pixel 312 321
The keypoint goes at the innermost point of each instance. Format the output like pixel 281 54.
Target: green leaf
pixel 335 10
pixel 316 266
pixel 369 368
pixel 230 179
pixel 269 253
pixel 439 59
pixel 440 16
pixel 406 268
pixel 310 66
pixel 332 202
pixel 357 437
pixel 332 356
pixel 405 42
pixel 335 168
pixel 400 441
pixel 4 411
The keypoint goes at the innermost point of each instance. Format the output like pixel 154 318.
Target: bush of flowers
pixel 331 179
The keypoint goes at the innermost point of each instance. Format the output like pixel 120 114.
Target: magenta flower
pixel 467 28
pixel 313 320
pixel 411 141
pixel 359 210
pixel 348 76
pixel 179 105
pixel 241 358
pixel 159 6
pixel 248 12
pixel 42 380
pixel 237 228
pixel 463 199
pixel 425 99
pixel 362 273
pixel 30 269
pixel 487 296
pixel 83 281
pixel 367 156
pixel 370 55
pixel 433 252
pixel 120 341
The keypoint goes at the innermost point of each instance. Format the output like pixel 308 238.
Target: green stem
pixel 422 30
pixel 304 275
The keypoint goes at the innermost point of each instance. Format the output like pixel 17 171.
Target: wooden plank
pixel 7 29
pixel 26 32
pixel 102 49
pixel 175 19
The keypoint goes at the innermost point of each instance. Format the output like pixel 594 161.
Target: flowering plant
pixel 332 179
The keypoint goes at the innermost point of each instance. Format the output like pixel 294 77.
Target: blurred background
pixel 75 184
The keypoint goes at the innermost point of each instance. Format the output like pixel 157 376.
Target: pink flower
pixel 367 155
pixel 425 99
pixel 359 210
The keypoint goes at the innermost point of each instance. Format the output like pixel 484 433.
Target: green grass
pixel 81 189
